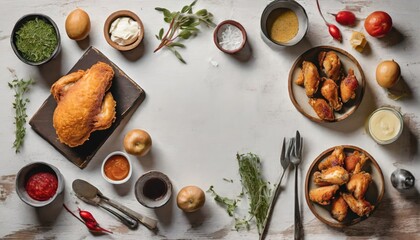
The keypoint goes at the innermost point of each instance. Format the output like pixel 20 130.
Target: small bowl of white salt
pixel 230 36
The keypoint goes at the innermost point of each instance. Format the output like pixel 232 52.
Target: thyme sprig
pixel 182 25
pixel 20 87
pixel 255 187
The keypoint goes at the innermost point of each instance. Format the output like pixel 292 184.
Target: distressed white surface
pixel 200 116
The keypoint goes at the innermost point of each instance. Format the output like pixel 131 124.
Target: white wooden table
pixel 200 115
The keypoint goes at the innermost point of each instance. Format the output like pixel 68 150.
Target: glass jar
pixel 385 125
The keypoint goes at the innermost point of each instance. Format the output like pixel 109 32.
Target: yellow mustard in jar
pixel 385 125
pixel 282 25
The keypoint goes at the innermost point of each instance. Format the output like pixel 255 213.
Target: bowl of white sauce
pixel 385 125
pixel 123 30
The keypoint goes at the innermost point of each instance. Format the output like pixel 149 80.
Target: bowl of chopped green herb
pixel 35 39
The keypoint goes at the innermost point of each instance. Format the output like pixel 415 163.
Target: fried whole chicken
pixel 359 206
pixel 335 159
pixel 83 104
pixel 323 195
pixel 329 91
pixel 348 87
pixel 333 175
pixel 322 109
pixel 358 184
pixel 339 208
pixel 330 64
pixel 355 161
pixel 309 78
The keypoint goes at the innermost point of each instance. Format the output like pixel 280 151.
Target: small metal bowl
pixel 111 19
pixel 20 23
pixel 149 183
pixel 26 172
pixel 130 171
pixel 296 8
pixel 217 35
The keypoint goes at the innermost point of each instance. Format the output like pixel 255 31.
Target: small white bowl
pixel 302 18
pixel 129 171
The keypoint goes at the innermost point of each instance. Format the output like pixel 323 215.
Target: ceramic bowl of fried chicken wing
pixel 344 186
pixel 326 84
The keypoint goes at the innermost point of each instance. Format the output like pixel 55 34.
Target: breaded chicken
pixel 333 175
pixel 323 195
pixel 339 208
pixel 83 104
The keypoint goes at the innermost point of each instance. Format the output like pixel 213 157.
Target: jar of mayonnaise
pixel 385 125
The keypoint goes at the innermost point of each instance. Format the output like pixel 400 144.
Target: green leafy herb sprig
pixel 256 189
pixel 36 40
pixel 20 87
pixel 182 25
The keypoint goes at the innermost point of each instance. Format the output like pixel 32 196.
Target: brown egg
pixel 388 73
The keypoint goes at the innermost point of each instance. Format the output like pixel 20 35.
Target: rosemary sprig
pixel 20 87
pixel 182 25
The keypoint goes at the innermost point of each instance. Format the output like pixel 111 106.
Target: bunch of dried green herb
pixel 256 188
pixel 36 40
pixel 20 87
pixel 182 25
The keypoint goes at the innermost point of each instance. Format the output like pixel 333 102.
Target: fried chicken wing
pixel 335 159
pixel 333 175
pixel 83 106
pixel 310 78
pixel 359 206
pixel 348 87
pixel 358 184
pixel 330 64
pixel 329 91
pixel 355 161
pixel 322 109
pixel 339 208
pixel 323 195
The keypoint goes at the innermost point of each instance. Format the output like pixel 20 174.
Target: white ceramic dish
pixel 129 171
pixel 373 195
pixel 297 93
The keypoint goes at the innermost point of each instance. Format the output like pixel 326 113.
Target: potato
pixel 388 73
pixel 78 24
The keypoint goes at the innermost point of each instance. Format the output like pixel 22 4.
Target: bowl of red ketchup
pixel 38 184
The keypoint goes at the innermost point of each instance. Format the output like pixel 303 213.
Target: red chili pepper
pixel 334 31
pixel 345 18
pixel 89 220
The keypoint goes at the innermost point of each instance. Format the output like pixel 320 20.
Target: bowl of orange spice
pixel 116 168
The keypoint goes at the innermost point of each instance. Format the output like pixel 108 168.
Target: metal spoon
pixel 90 194
pixel 402 179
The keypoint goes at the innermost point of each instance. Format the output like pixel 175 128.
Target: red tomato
pixel 345 18
pixel 378 24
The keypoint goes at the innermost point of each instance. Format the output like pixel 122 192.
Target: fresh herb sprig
pixel 182 25
pixel 256 188
pixel 20 87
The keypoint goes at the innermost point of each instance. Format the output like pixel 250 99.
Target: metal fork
pixel 285 162
pixel 295 159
